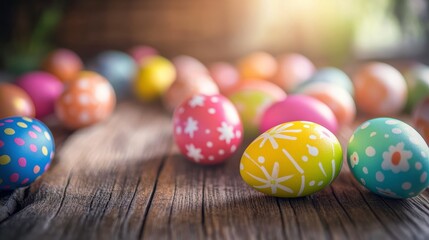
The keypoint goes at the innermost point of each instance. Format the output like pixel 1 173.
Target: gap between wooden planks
pixel 124 179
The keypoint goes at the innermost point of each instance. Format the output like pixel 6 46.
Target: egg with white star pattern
pixel 293 159
pixel 207 129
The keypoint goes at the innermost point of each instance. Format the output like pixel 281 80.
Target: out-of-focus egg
pixel 153 79
pixel 188 68
pixel 329 75
pixel 251 99
pixel 142 52
pixel 257 65
pixel 43 88
pixel 63 63
pixel 299 108
pixel 86 100
pixel 417 79
pixel 15 102
pixel 389 158
pixel 118 68
pixel 421 118
pixel 293 69
pixel 207 129
pixel 335 97
pixel 26 150
pixel 179 91
pixel 293 159
pixel 380 89
pixel 225 76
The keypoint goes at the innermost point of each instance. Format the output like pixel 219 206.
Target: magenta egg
pixel 299 108
pixel 207 129
pixel 43 88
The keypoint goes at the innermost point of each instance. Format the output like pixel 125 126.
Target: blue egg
pixel 118 68
pixel 389 158
pixel 26 150
pixel 328 75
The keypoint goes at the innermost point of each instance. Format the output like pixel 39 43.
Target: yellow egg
pixel 293 159
pixel 154 77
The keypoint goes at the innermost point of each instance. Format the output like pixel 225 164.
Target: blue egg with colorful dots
pixel 26 150
pixel 389 158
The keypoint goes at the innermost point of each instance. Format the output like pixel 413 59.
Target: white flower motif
pixel 396 159
pixel 354 159
pixel 226 132
pixel 276 132
pixel 386 192
pixel 194 153
pixel 272 181
pixel 197 100
pixel 191 126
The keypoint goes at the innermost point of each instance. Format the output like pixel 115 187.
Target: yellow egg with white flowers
pixel 293 159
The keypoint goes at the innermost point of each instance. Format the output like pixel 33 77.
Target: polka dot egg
pixel 26 150
pixel 293 159
pixel 389 158
pixel 207 128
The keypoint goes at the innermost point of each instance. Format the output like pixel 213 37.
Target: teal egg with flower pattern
pixel 389 158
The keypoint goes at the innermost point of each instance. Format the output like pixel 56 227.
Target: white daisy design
pixel 194 153
pixel 354 159
pixel 277 133
pixel 191 126
pixel 272 181
pixel 197 100
pixel 396 159
pixel 226 132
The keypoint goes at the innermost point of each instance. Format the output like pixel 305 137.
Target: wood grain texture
pixel 125 179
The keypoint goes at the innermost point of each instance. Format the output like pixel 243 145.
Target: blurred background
pixel 330 32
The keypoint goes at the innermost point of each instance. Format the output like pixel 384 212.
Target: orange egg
pixel 86 100
pixel 257 65
pixel 14 101
pixel 380 89
pixel 293 69
pixel 64 64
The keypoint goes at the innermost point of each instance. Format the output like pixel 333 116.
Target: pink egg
pixel 299 108
pixel 225 76
pixel 141 52
pixel 188 68
pixel 293 69
pixel 207 129
pixel 44 89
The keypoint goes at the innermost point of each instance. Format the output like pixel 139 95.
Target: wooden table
pixel 125 179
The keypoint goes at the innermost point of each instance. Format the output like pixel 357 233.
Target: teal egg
pixel 389 158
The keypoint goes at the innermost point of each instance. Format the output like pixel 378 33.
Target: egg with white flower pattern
pixel 389 158
pixel 207 129
pixel 293 159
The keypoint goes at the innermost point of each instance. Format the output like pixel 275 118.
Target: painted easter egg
pixel 293 159
pixel 380 89
pixel 293 69
pixel 43 88
pixel 417 79
pixel 86 100
pixel 225 76
pixel 63 63
pixel 154 76
pixel 389 158
pixel 335 97
pixel 421 118
pixel 26 150
pixel 257 65
pixel 118 68
pixel 251 99
pixel 15 102
pixel 299 108
pixel 207 129
pixel 142 52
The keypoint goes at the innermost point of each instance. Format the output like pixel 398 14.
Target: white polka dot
pixel 406 185
pixel 372 134
pixel 320 183
pixel 209 144
pixel 84 117
pixel 365 125
pixel 304 158
pixel 238 134
pixel 311 183
pixel 397 131
pixel 233 148
pixel 207 131
pixel 370 151
pixel 221 152
pixel 212 111
pixel 414 140
pixel 47 136
pixel 313 151
pixel 363 181
pixel 379 176
pixel 211 158
pixel 83 84
pixel 313 137
pixel 423 154
pixel 178 130
pixel 418 165
pixel 423 177
pixel 215 99
pixel 84 99
pixel 261 159
pixel 365 170
pixel 103 92
pixel 386 135
pixel 241 166
pixel 391 121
